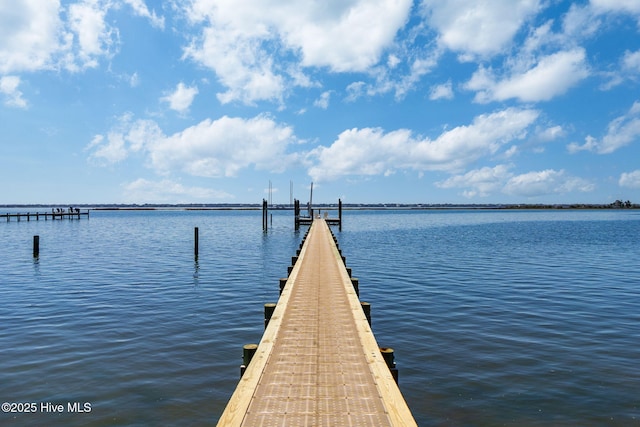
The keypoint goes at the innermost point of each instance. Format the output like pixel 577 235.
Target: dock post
pixel 195 242
pixel 339 214
pixel 366 307
pixel 248 350
pixel 268 312
pixel 265 215
pixel 36 246
pixel 283 283
pixel 356 285
pixel 387 355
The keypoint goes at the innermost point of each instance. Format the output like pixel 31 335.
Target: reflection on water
pixel 496 318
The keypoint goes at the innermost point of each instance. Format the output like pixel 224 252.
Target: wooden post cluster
pixel 299 220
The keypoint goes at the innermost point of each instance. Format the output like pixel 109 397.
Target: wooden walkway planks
pixel 318 363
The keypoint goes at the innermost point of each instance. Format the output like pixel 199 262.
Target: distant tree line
pixel 619 204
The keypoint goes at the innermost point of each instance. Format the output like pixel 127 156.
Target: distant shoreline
pixel 326 206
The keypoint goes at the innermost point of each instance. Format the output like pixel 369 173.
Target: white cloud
pixel 394 79
pixel 551 133
pixel 134 80
pixel 419 68
pixel 337 41
pixel 126 137
pixel 476 28
pixel 371 151
pixel 631 62
pixel 482 182
pixel 181 98
pixel 621 131
pixel 629 70
pixel 111 150
pixel 630 179
pixel 323 101
pixel 546 182
pixel 355 90
pixel 95 37
pixel 141 9
pixel 9 87
pixel 629 6
pixel 30 35
pixel 553 75
pixel 167 191
pixel 212 148
pixel 443 91
pixel 44 35
pixel 244 42
pixel 489 181
pixel 225 146
pixel 579 22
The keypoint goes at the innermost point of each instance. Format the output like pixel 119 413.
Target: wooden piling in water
pixel 265 215
pixel 366 307
pixel 248 350
pixel 196 242
pixel 36 246
pixel 387 355
pixel 268 312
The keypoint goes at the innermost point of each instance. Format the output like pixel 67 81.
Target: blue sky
pixel 206 101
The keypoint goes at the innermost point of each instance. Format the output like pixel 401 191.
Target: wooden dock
pixel 37 216
pixel 318 363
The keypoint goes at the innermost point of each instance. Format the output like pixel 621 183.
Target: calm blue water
pixel 517 318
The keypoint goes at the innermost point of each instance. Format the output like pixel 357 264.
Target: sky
pixel 374 101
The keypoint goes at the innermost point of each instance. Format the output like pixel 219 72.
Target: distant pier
pixel 53 215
